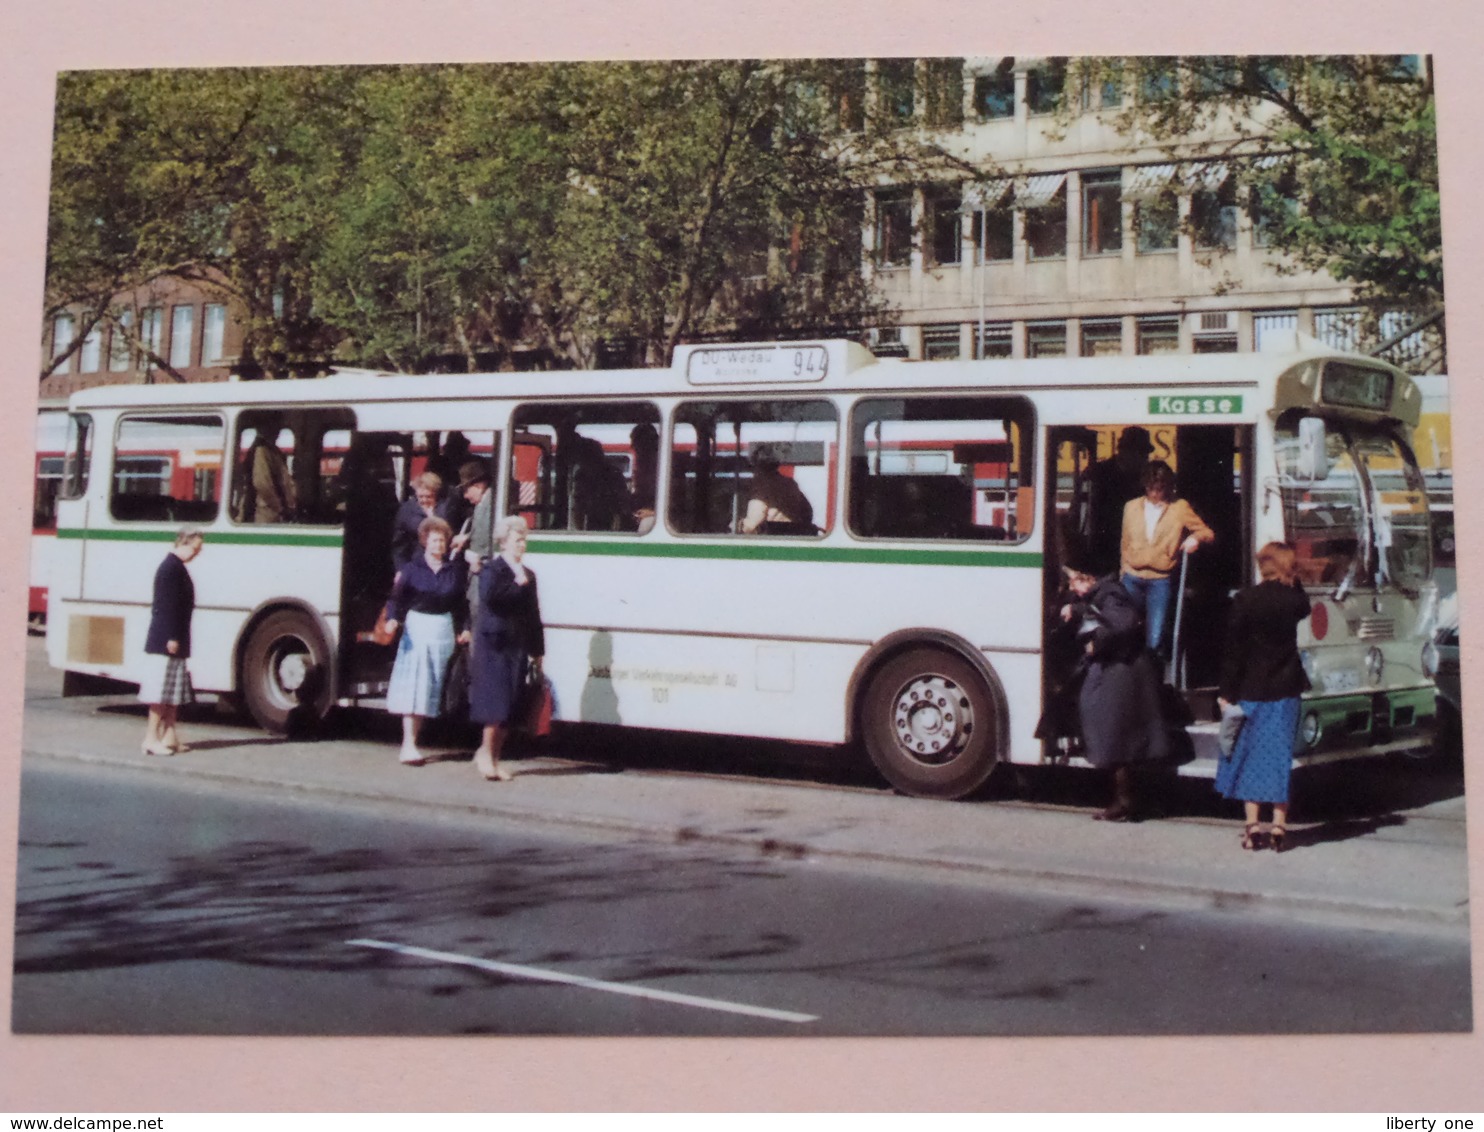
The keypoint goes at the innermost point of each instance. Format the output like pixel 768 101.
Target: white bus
pixel 909 611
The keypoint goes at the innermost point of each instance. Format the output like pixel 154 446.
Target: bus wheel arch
pixel 286 668
pixel 931 713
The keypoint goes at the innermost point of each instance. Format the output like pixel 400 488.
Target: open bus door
pixel 1071 452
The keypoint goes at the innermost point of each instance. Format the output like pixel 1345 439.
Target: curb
pixel 1002 875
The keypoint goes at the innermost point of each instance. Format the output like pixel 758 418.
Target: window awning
pixel 986 194
pixel 1206 176
pixel 1144 182
pixel 1038 191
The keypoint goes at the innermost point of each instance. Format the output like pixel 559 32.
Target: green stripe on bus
pixel 753 551
pixel 231 538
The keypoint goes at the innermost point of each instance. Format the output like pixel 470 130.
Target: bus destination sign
pixel 782 364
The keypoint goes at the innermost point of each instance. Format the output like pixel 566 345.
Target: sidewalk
pixel 1397 871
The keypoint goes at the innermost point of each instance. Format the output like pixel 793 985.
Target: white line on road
pixel 518 971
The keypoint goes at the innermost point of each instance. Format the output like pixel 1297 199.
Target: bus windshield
pixel 1364 519
pixel 1399 507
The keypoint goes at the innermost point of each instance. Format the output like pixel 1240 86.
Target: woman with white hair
pixel 508 643
pixel 167 645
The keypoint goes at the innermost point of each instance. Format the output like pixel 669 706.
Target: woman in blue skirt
pixel 1263 674
pixel 428 603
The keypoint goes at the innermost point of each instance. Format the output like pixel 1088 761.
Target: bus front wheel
pixel 930 724
pixel 286 673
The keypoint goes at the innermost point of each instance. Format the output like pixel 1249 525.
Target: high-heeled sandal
pixel 1252 836
pixel 1277 839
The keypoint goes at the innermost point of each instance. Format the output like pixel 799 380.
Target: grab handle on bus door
pixel 1174 666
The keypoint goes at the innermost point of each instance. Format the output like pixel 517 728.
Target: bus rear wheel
pixel 286 683
pixel 930 724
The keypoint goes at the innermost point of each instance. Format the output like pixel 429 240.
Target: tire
pixel 286 680
pixel 931 724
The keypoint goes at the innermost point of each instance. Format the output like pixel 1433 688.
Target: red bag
pixel 535 717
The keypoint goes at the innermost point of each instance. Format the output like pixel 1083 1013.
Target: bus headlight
pixel 1430 659
pixel 1309 730
pixel 1375 664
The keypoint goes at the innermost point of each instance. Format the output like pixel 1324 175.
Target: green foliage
pixel 1354 188
pixel 399 216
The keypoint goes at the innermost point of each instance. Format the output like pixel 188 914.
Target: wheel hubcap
pixel 932 719
pixel 292 668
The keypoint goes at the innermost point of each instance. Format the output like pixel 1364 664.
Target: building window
pixel 1340 329
pixel 886 342
pixel 1102 213
pixel 1159 80
pixel 1213 211
pixel 120 355
pixel 1044 200
pixel 994 93
pixel 894 228
pixel 1215 74
pixel 1046 339
pixel 896 83
pixel 213 333
pixel 1281 323
pixel 1104 91
pixel 63 327
pixel 1272 204
pixel 848 93
pixel 995 340
pixel 182 326
pixel 1214 332
pixel 946 225
pixel 943 91
pixel 90 353
pixel 1157 220
pixel 1102 337
pixel 1159 334
pixel 940 343
pixel 152 332
pixel 1045 85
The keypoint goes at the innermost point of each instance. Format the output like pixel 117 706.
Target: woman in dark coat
pixel 1122 724
pixel 1263 674
pixel 166 682
pixel 509 642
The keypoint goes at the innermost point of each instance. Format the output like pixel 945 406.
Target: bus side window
pixel 286 465
pixel 167 468
pixel 942 468
pixel 754 468
pixel 585 467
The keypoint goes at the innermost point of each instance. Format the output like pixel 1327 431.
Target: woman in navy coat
pixel 166 682
pixel 509 642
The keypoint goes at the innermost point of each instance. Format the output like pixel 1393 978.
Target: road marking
pixel 518 971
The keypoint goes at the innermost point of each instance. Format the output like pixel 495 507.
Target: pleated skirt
pixel 423 652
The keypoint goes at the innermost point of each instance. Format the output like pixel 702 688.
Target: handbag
pixel 1232 719
pixel 536 705
pixel 381 635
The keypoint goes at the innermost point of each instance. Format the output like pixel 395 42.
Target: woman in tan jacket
pixel 1157 528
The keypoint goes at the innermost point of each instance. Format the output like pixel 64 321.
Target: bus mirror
pixel 1313 464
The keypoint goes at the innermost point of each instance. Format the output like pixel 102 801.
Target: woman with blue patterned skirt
pixel 1263 674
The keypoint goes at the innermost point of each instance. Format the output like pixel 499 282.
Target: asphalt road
pixel 159 904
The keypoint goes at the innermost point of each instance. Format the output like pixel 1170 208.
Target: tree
pixel 1338 154
pixel 216 177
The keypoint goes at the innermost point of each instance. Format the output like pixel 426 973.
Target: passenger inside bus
pixel 268 491
pixel 1114 482
pixel 1214 467
pixel 775 503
